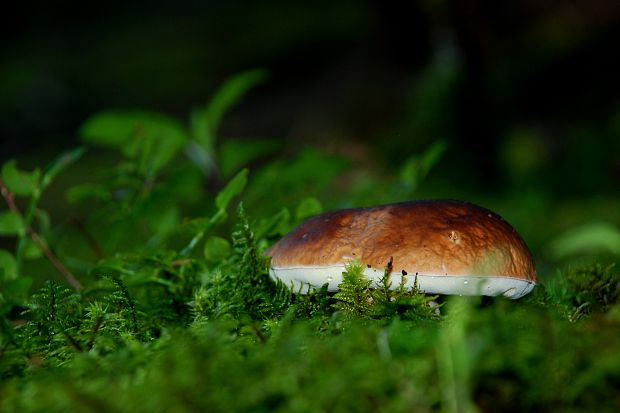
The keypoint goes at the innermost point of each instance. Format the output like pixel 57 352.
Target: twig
pixel 54 260
pixel 180 262
pixel 9 197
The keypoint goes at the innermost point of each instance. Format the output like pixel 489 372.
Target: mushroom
pixel 446 246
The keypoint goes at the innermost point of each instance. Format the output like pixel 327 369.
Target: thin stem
pixel 9 197
pixel 92 241
pixel 54 260
pixel 181 262
pixel 21 245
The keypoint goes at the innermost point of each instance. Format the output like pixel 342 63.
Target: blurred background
pixel 518 101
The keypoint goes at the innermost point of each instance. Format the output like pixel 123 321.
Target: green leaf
pixel 8 265
pixel 205 121
pixel 43 222
pixel 201 226
pixel 20 182
pixel 309 171
pixel 61 163
pixel 203 131
pixel 205 224
pixel 163 220
pixel 84 192
pixel 150 138
pixel 201 157
pixel 232 189
pixel 418 166
pixel 32 251
pixel 588 238
pixel 217 249
pixel 15 291
pixel 432 155
pixel 279 224
pixel 308 207
pixel 11 224
pixel 237 153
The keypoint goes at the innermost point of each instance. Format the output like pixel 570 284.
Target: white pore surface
pixel 302 279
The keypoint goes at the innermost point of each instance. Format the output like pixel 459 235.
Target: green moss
pixel 586 289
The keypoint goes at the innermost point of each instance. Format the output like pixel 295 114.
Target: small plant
pixel 357 296
pixel 354 296
pixel 242 285
pixel 54 322
pixel 316 303
pixel 586 290
pixel 31 241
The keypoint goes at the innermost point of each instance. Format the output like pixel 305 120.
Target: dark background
pixel 525 93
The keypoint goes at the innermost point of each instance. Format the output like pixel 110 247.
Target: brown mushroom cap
pixel 450 247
